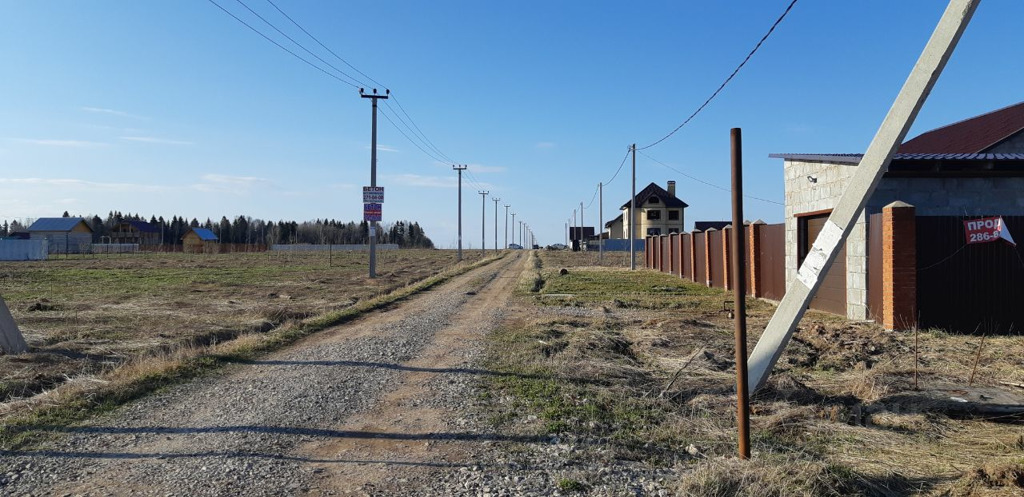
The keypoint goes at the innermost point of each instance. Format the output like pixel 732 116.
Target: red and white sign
pixel 987 229
pixel 371 212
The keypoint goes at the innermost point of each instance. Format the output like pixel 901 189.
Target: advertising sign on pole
pixel 373 194
pixel 987 229
pixel 371 212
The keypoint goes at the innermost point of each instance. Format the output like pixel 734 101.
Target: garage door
pixel 831 295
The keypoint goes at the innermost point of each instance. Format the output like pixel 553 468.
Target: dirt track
pixel 370 407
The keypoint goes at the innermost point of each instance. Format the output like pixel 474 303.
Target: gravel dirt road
pixel 373 407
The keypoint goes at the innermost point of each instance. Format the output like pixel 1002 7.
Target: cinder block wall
pixel 804 195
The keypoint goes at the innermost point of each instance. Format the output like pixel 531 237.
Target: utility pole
pixel 496 199
pixel 739 281
pixel 869 172
pixel 373 174
pixel 506 225
pixel 566 232
pixel 632 217
pixel 483 219
pixel 460 169
pixel 600 222
pixel 513 227
pixel 582 224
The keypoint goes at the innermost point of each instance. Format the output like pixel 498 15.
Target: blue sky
pixel 175 108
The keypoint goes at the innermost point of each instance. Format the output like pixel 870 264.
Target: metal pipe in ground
pixel 740 303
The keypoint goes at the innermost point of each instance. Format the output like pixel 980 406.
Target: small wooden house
pixel 138 232
pixel 65 235
pixel 199 240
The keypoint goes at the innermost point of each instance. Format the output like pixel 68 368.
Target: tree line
pixel 248 230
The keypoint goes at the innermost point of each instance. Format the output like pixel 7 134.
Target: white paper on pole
pixel 828 238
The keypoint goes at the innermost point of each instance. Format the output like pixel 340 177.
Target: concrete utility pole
pixel 582 225
pixel 632 216
pixel 506 225
pixel 483 220
pixel 600 222
pixel 496 199
pixel 373 174
pixel 460 169
pixel 874 163
pixel 11 339
pixel 513 227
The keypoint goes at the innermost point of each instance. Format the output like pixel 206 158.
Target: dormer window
pixel 654 200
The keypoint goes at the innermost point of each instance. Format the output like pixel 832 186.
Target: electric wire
pixel 623 163
pixel 705 182
pixel 289 38
pixel 403 133
pixel 424 135
pixel 354 68
pixel 282 47
pixel 413 129
pixel 727 80
pixel 592 199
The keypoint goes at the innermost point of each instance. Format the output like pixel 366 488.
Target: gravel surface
pixel 240 432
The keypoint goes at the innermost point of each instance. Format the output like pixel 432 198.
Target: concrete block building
pixel 659 212
pixel 973 167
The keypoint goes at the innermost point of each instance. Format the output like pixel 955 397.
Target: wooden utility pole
pixel 874 163
pixel 373 174
pixel 460 169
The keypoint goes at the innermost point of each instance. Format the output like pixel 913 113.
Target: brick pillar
pixel 899 267
pixel 707 257
pixel 754 251
pixel 726 260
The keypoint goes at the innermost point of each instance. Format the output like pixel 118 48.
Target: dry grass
pixel 839 416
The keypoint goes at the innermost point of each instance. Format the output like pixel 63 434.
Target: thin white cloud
pixel 60 143
pixel 423 181
pixel 384 148
pixel 480 168
pixel 81 184
pixel 111 112
pixel 153 139
pixel 224 183
pixel 545 145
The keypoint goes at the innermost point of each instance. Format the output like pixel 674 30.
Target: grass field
pixel 89 315
pixel 639 366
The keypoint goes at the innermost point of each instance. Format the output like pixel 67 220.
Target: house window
pixel 673 215
pixel 653 214
pixel 653 231
pixel 654 200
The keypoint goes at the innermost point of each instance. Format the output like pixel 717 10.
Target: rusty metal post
pixel 739 288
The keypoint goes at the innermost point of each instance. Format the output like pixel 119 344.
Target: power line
pixel 310 52
pixel 424 135
pixel 619 169
pixel 282 47
pixel 354 68
pixel 592 199
pixel 727 80
pixel 403 133
pixel 705 182
pixel 419 135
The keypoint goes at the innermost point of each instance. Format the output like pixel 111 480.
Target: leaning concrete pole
pixel 874 163
pixel 11 341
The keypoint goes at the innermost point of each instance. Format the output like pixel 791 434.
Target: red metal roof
pixel 970 136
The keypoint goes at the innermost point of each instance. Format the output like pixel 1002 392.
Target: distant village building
pixel 64 235
pixel 199 240
pixel 138 232
pixel 659 212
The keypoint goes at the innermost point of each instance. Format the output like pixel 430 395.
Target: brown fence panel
pixel 700 270
pixel 662 263
pixel 673 243
pixel 687 253
pixel 747 270
pixel 717 276
pixel 772 270
pixel 968 288
pixel 875 267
